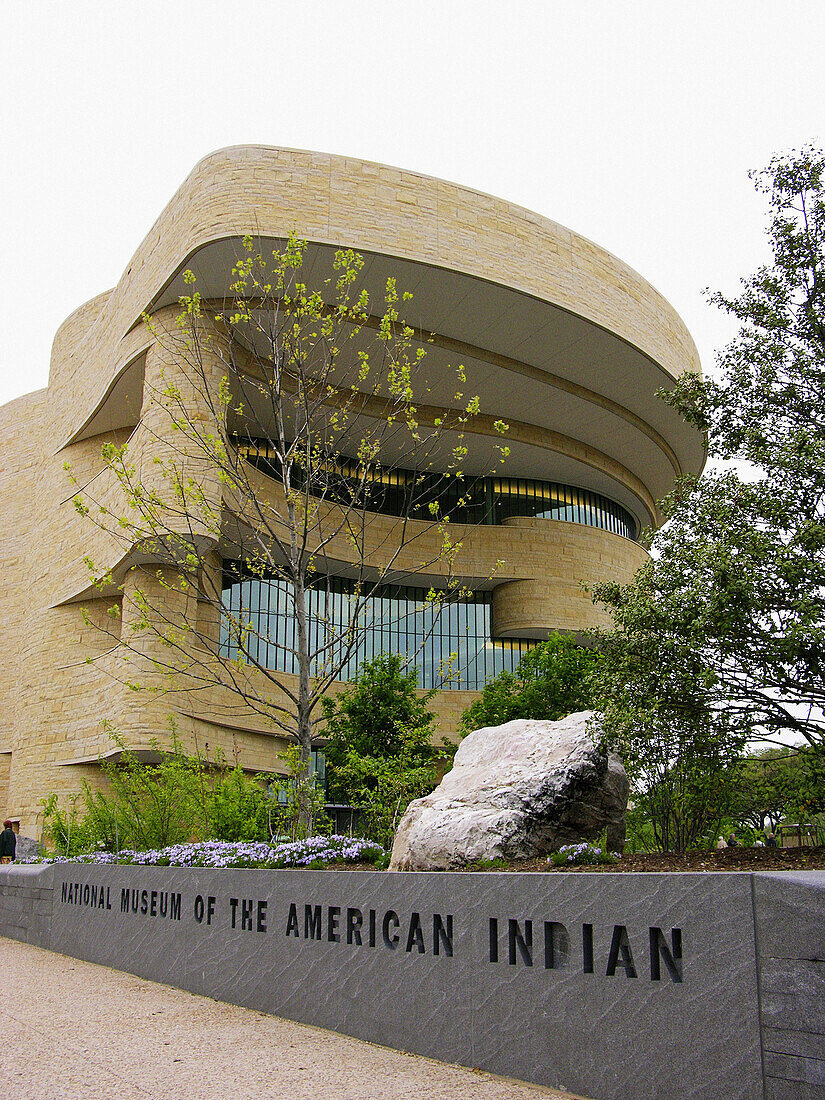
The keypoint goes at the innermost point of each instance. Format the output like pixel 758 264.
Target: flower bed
pixel 315 851
pixel 581 853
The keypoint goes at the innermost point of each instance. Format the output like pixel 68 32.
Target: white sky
pixel 634 123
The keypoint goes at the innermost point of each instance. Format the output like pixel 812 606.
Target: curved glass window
pixel 450 647
pixel 484 500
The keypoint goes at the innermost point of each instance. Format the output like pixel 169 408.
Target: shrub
pixel 379 751
pixel 182 797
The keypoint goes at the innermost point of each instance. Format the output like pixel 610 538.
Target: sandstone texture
pixel 516 791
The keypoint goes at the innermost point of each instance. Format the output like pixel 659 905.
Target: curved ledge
pixel 554 599
pixel 584 323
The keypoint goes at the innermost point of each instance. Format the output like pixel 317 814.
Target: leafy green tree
pixel 741 564
pixel 778 785
pixel 766 786
pixel 380 752
pixel 655 692
pixel 552 680
pixel 720 636
pixel 380 714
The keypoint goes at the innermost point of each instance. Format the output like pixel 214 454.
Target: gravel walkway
pixel 76 1030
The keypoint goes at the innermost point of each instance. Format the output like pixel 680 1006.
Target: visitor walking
pixel 8 843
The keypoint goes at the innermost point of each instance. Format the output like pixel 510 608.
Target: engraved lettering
pixel 333 913
pixel 587 948
pixel 246 915
pixel 312 922
pixel 556 945
pixel 522 941
pixel 620 953
pixel 415 935
pixel 443 935
pixel 292 921
pixel 355 919
pixel 493 940
pixel 390 918
pixel 672 955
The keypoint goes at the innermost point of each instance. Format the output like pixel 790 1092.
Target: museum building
pixel 561 340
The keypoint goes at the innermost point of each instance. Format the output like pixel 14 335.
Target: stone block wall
pixel 614 986
pixel 790 944
pixel 26 904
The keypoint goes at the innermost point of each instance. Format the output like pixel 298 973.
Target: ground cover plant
pixel 699 860
pixel 314 852
pixel 581 853
pixel 352 853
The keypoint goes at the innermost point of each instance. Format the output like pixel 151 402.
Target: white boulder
pixel 516 791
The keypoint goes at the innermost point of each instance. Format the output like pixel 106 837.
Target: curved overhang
pixel 559 338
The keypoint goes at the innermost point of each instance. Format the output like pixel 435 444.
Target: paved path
pixel 75 1030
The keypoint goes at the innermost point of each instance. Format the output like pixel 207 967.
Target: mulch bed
pixel 726 859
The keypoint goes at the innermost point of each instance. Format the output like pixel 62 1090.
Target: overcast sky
pixel 633 123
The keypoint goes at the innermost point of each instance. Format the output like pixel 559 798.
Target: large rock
pixel 517 790
pixel 26 848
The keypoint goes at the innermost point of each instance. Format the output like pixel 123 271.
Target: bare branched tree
pixel 276 423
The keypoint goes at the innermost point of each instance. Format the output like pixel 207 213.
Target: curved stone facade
pixel 560 339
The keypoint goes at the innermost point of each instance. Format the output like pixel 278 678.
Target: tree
pixel 379 750
pixel 727 623
pixel 655 693
pixel 373 715
pixel 553 679
pixel 275 422
pixel 764 788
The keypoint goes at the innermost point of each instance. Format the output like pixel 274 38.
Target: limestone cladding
pixel 63 681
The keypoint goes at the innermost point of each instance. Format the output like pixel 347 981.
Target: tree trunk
pixel 304 715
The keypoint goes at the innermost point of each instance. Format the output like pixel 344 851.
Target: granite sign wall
pixel 610 985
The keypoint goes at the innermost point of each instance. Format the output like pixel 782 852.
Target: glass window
pixel 450 646
pixel 487 500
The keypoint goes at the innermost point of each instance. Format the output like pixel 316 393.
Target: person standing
pixel 8 843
